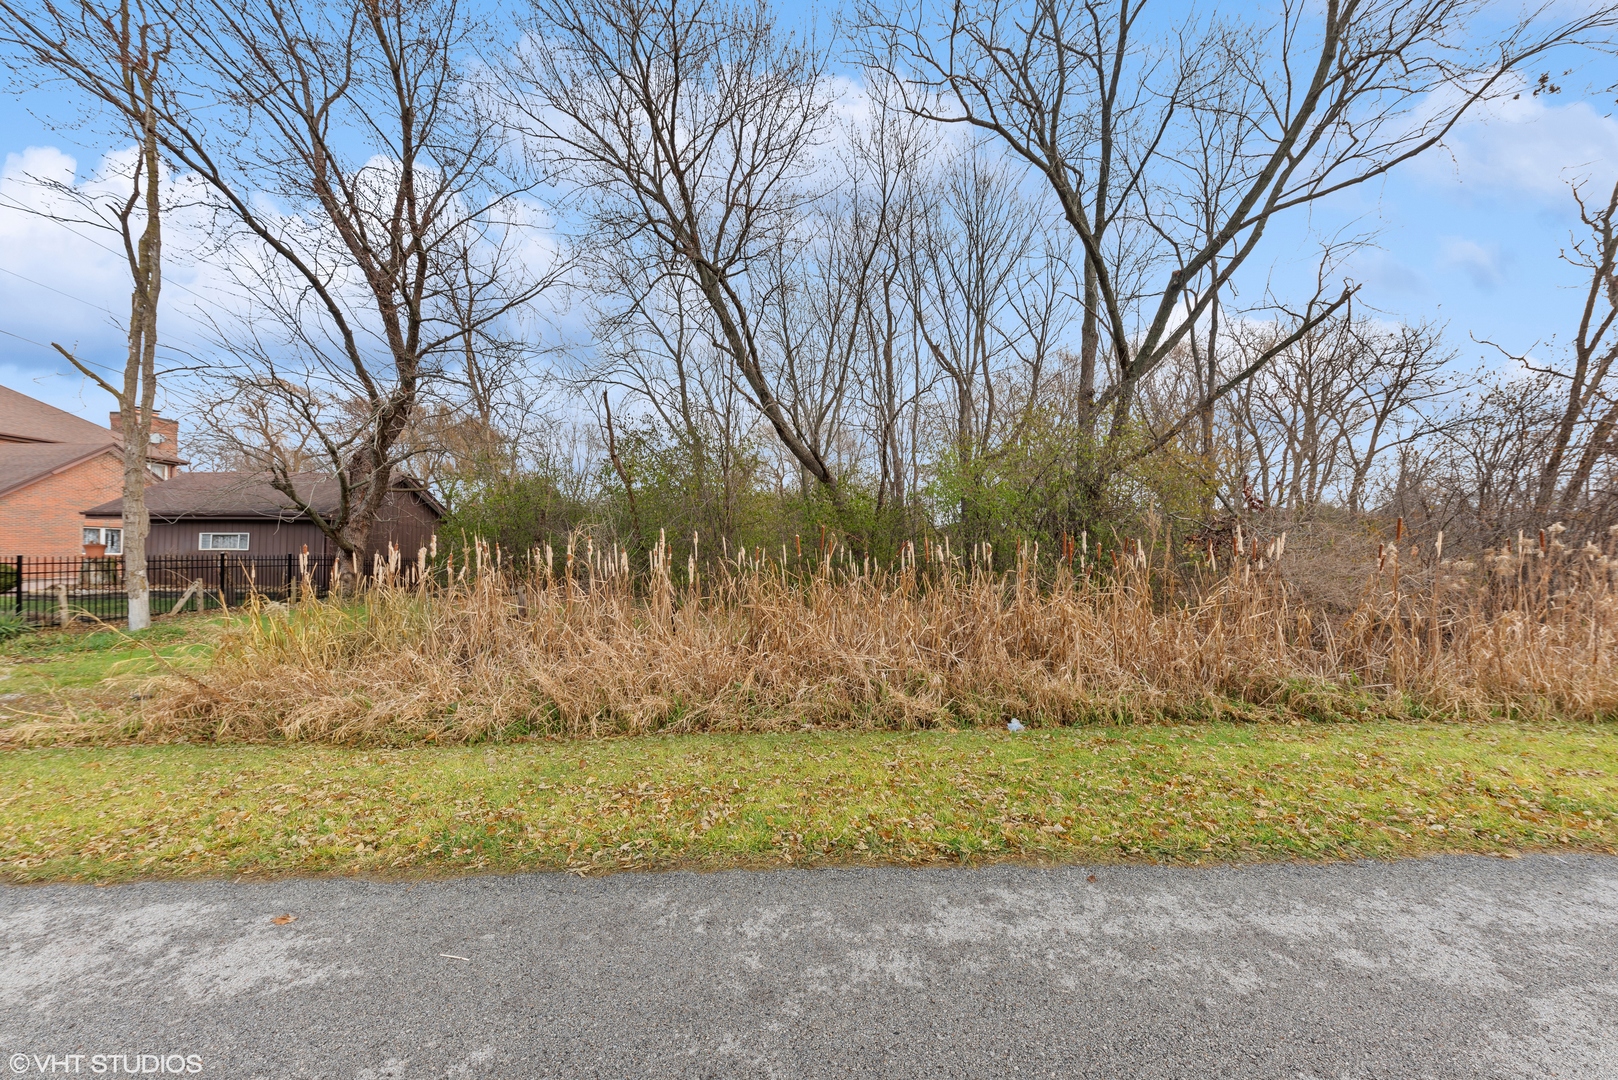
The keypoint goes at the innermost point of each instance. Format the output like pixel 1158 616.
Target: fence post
pixel 289 577
pixel 224 599
pixel 19 586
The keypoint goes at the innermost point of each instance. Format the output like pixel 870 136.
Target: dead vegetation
pixel 590 649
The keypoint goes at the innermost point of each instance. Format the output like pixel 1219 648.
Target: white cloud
pixel 63 278
pixel 1482 263
pixel 1533 146
pixel 56 284
pixel 1389 276
pixel 69 282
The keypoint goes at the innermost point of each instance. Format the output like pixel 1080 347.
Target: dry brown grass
pixel 936 642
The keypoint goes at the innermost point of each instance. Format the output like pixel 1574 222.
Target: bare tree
pixel 963 276
pixel 358 178
pixel 658 352
pixel 990 299
pixel 1589 412
pixel 116 55
pixel 890 156
pixel 1298 411
pixel 1113 122
pixel 690 128
pixel 1396 373
pixel 1314 426
pixel 1476 476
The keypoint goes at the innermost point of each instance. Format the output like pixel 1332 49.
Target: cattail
pixel 623 659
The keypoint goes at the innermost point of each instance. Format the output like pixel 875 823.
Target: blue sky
pixel 1468 238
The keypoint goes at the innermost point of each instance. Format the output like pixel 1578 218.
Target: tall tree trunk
pixel 131 86
pixel 140 369
pixel 1089 345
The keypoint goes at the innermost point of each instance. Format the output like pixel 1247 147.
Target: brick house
pixel 53 465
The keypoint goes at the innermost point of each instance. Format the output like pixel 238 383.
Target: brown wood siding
pixel 265 537
pixel 403 519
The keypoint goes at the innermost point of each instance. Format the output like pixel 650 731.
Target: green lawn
pixel 1192 794
pixel 1196 793
pixel 49 661
pixel 41 608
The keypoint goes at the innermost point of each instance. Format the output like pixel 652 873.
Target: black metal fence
pixel 42 589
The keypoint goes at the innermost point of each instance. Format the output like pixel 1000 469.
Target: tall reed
pixel 578 644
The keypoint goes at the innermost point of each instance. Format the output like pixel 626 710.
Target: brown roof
pixel 22 464
pixel 224 495
pixel 23 418
pixel 38 440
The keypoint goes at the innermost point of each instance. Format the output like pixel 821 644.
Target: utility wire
pixel 168 335
pixel 30 341
pixel 167 284
pixel 58 292
pixel 52 350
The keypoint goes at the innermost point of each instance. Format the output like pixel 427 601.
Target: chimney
pixel 165 436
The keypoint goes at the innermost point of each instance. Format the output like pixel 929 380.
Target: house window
pixel 222 542
pixel 160 472
pixel 113 538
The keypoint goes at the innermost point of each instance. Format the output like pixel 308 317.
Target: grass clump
pixel 84 684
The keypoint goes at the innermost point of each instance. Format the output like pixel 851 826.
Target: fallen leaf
pixel 282 920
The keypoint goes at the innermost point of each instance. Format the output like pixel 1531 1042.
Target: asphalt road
pixel 1450 967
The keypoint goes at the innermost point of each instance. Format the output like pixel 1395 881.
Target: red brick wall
pixel 46 518
pixel 161 425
